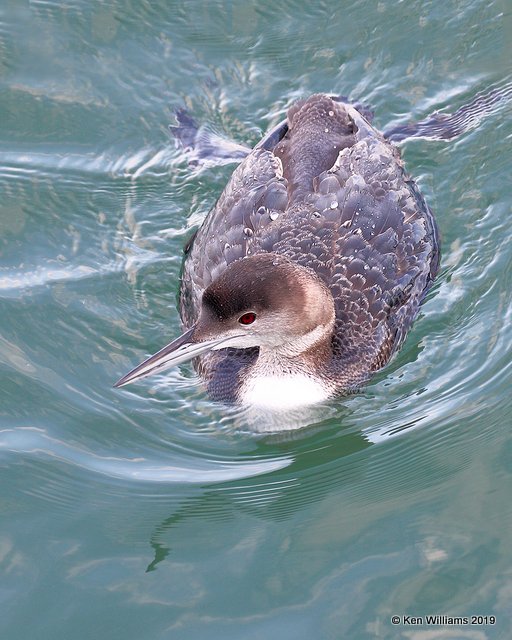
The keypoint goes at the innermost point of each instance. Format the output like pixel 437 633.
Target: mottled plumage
pixel 326 191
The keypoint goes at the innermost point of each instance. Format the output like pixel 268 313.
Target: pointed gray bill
pixel 178 351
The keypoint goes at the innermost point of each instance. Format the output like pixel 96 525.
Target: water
pixel 150 512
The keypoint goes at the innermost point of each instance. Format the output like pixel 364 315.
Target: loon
pixel 306 276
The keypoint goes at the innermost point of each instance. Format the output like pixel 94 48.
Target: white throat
pixel 278 381
pixel 280 392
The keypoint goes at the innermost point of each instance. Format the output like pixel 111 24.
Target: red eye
pixel 247 318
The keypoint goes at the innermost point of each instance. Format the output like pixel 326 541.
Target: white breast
pixel 282 392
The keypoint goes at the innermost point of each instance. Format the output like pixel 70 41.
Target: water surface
pixel 151 512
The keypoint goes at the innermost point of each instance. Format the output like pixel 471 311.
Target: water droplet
pixel 331 113
pixel 334 204
pixel 262 210
pixel 316 214
pixel 326 130
pixel 227 246
pixel 248 232
pixel 274 215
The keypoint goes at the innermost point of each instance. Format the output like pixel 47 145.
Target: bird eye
pixel 247 318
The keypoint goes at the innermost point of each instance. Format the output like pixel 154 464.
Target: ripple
pixel 10 284
pixel 37 442
pixel 67 162
pixel 16 281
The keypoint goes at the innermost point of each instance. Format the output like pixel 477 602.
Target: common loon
pixel 307 274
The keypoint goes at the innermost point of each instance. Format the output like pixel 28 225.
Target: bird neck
pixel 309 353
pixel 287 378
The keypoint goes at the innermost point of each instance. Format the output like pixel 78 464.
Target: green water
pixel 152 513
